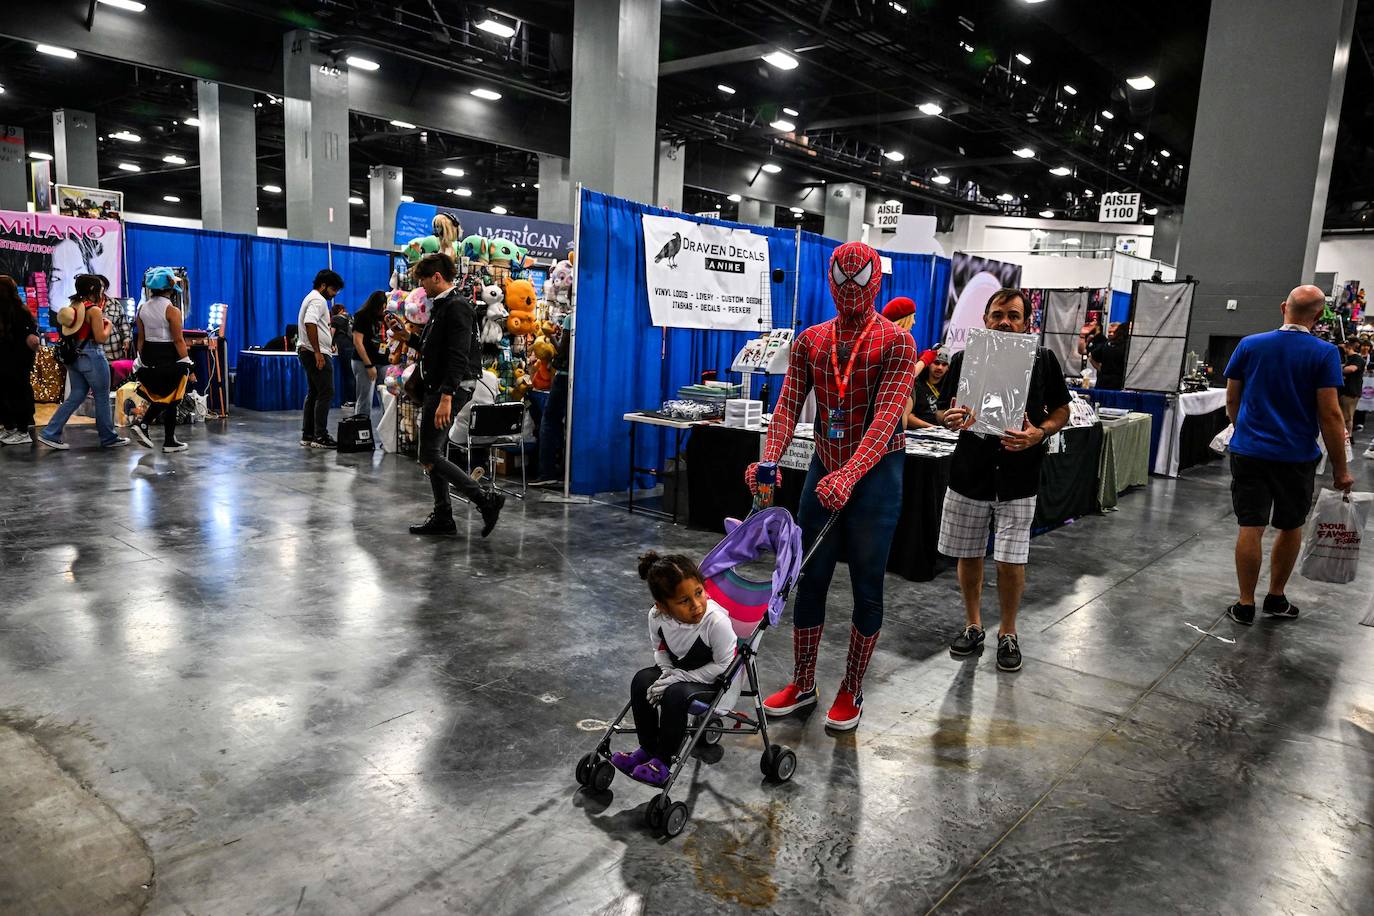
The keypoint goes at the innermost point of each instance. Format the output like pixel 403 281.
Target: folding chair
pixel 495 425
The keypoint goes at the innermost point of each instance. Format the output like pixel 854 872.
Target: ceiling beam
pixel 714 59
pixel 883 117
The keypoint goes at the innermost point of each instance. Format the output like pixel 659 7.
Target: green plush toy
pixel 506 250
pixel 417 248
pixel 476 248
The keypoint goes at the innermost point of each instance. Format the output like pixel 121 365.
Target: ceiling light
pixel 772 168
pixel 966 46
pixel 1165 153
pixel 1151 211
pixel 1107 114
pixel 892 203
pixel 404 125
pixel 1073 241
pixel 1087 192
pixel 2 90
pixel 356 201
pixel 797 210
pixel 407 199
pixel 1047 214
pixel 499 210
pixel 785 126
pixel 1138 135
pixel 792 112
pixel 1154 162
pixel 1005 198
pixel 1035 1
pixel 463 192
pixel 362 63
pixel 1140 82
pixel 55 51
pixel 1098 128
pixel 897 6
pixel 126 136
pixel 1023 58
pixel 499 29
pixel 734 198
pixel 272 188
pixel 191 122
pixel 728 90
pixel 1070 90
pixel 41 157
pixel 132 6
pixel 453 172
pixel 1024 152
pixel 490 95
pixel 894 155
pixel 129 167
pixel 171 198
pixel 931 108
pixel 173 160
pixel 1128 146
pixel 781 59
pixel 1061 170
pixel 941 179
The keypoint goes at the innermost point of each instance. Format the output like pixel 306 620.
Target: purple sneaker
pixel 654 773
pixel 626 763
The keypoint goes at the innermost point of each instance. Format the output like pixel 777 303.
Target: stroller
pixel 753 607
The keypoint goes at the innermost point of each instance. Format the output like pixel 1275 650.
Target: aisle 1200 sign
pixel 703 276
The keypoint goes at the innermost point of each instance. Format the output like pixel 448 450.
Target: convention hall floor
pixel 230 682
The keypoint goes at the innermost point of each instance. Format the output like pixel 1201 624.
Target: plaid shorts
pixel 966 522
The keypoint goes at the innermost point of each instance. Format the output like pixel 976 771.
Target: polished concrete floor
pixel 232 683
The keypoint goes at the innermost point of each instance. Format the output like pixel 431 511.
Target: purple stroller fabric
pixel 769 531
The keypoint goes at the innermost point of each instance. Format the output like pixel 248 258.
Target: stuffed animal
pixel 520 303
pixel 417 248
pixel 476 248
pixel 544 353
pixel 396 301
pixel 417 307
pixel 561 279
pixel 448 230
pixel 494 323
pixel 522 384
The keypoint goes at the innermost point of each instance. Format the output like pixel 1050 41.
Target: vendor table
pixel 645 418
pixel 1190 424
pixel 275 380
pixel 1068 479
pixel 1154 403
pixel 1125 457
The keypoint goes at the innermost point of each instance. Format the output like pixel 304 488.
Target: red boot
pixel 848 706
pixel 806 644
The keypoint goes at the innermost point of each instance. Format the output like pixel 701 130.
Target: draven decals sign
pixel 703 276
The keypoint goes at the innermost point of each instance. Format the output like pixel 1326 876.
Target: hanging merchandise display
pixel 45 254
pixel 701 275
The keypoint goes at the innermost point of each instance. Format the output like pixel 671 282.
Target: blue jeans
pixel 864 528
pixel 90 375
pixel 363 389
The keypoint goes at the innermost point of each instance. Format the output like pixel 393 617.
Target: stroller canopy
pixel 769 531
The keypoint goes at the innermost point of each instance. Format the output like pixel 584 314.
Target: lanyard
pixel 842 381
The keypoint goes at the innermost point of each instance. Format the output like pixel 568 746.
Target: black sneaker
pixel 1279 606
pixel 436 524
pixel 139 429
pixel 325 441
pixel 1241 613
pixel 968 642
pixel 1008 652
pixel 491 512
pixel 176 445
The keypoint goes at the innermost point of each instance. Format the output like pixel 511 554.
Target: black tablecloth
pixel 1068 480
pixel 1195 439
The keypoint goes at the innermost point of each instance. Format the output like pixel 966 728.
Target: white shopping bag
pixel 1331 545
pixel 1222 440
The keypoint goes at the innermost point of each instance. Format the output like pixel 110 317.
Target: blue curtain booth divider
pixel 263 280
pixel 1121 306
pixel 623 363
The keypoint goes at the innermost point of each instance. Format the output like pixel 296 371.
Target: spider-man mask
pixel 856 273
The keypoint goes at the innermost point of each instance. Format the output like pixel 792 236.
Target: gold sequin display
pixel 46 377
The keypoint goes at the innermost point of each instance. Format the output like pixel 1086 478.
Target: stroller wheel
pixel 674 819
pixel 602 774
pixel 583 773
pixel 653 815
pixel 713 738
pixel 778 763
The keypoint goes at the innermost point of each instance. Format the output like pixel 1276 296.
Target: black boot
pixel 437 523
pixel 491 512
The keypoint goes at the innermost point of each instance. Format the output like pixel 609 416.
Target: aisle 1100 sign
pixel 1119 207
pixel 703 276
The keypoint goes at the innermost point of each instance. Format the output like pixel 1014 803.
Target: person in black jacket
pixel 448 373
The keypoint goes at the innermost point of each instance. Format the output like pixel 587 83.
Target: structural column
pixel 74 148
pixel 844 211
pixel 755 212
pixel 615 96
pixel 228 158
pixel 1270 101
pixel 316 110
pixel 384 199
pixel 555 191
pixel 14 171
pixel 668 180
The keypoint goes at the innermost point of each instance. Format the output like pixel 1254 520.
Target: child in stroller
pixel 694 644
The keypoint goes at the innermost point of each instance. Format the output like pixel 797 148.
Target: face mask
pixel 856 275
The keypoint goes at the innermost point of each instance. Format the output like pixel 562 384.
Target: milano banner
pixel 972 281
pixel 45 253
pixel 703 276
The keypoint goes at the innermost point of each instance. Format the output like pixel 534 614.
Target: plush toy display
pixel 476 248
pixel 561 278
pixel 417 307
pixel 396 301
pixel 544 352
pixel 494 323
pixel 520 303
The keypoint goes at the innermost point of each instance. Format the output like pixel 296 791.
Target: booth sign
pixel 888 214
pixel 704 276
pixel 542 238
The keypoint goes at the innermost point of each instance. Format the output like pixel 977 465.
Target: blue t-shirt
pixel 1281 372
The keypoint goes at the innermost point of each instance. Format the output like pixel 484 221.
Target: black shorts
pixel 1277 493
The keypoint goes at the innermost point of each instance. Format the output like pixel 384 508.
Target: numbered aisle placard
pixel 1119 207
pixel 702 276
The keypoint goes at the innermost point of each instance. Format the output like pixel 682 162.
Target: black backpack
pixel 68 349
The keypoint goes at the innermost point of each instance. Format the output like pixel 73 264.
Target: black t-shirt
pixel 981 468
pixel 1112 356
pixel 372 339
pixel 1354 382
pixel 925 400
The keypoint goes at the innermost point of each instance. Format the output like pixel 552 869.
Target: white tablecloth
pixel 1184 405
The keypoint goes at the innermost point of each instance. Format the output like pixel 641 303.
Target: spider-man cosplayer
pixel 862 368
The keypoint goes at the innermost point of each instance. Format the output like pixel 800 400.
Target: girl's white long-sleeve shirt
pixel 697 652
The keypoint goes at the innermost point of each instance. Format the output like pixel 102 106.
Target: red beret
pixel 900 307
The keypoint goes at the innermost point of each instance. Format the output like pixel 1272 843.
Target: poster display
pixel 703 276
pixel 972 281
pixel 45 253
pixel 541 238
pixel 89 203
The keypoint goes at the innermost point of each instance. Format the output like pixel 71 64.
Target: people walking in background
pixel 315 349
pixel 19 342
pixel 1352 383
pixel 119 346
pixel 1108 357
pixel 89 371
pixel 164 365
pixel 367 351
pixel 994 482
pixel 342 327
pixel 1281 389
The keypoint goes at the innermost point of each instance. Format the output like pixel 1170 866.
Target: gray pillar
pixel 615 96
pixel 384 199
pixel 1254 211
pixel 668 180
pixel 228 158
pixel 555 191
pixel 844 211
pixel 755 212
pixel 14 170
pixel 315 106
pixel 74 148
